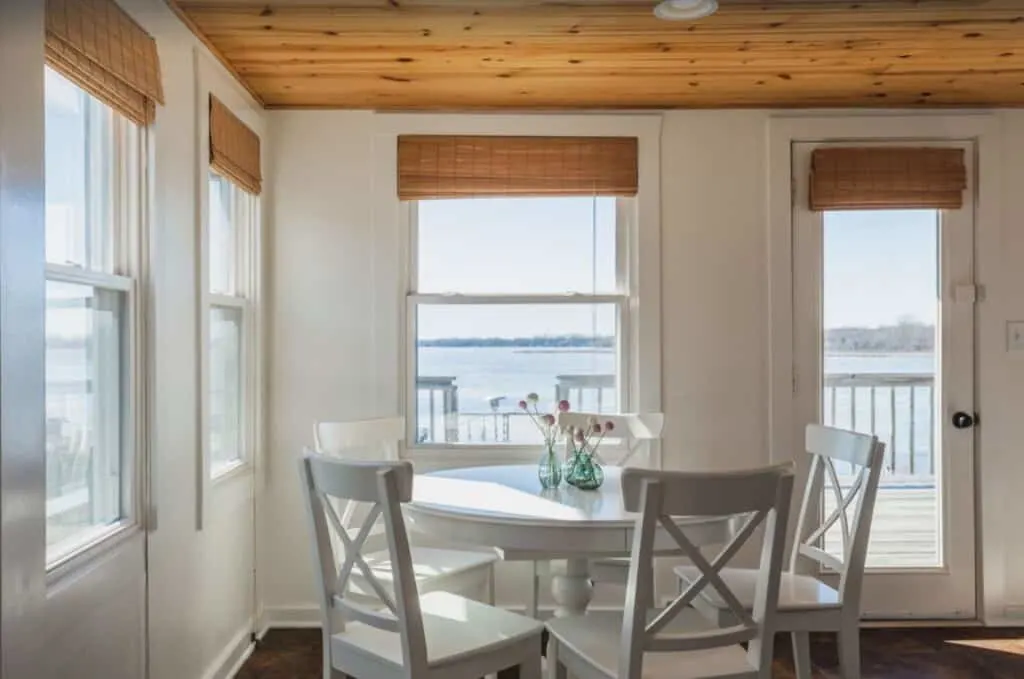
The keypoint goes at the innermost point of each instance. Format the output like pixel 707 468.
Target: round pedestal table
pixel 505 507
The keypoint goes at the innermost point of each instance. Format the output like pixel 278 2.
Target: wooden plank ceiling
pixel 573 54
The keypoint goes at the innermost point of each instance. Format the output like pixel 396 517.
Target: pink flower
pixel 597 428
pixel 608 426
pixel 563 406
pixel 522 405
pixel 549 420
pixel 579 435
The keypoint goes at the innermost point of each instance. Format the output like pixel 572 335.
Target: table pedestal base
pixel 572 588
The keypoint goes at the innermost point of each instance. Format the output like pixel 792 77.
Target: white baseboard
pixel 231 659
pixel 290 617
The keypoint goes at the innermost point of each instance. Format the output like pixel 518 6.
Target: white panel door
pixel 884 344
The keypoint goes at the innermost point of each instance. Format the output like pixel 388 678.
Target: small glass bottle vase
pixel 549 470
pixel 583 471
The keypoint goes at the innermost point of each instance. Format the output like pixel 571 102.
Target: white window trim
pixel 415 300
pixel 249 297
pixel 130 200
pixel 392 224
pixel 993 487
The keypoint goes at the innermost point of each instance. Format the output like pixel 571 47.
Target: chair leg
pixel 491 595
pixel 531 606
pixel 554 669
pixel 802 654
pixel 849 651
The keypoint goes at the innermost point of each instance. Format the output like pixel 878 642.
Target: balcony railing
pixel 898 408
pixel 441 421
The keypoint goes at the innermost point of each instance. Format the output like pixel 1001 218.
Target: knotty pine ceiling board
pixel 573 54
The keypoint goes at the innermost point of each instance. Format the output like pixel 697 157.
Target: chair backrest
pixel 365 441
pixel 371 440
pixel 634 433
pixel 862 457
pixel 763 497
pixel 385 486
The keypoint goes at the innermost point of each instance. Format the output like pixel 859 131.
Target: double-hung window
pixel 511 295
pixel 230 265
pixel 94 207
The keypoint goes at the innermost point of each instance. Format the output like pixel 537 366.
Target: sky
pixel 880 267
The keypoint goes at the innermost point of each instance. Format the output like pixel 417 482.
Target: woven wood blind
pixel 96 45
pixel 464 166
pixel 234 148
pixel 867 178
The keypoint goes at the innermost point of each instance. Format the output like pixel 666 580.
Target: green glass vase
pixel 583 471
pixel 549 470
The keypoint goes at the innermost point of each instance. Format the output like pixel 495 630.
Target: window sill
pixel 229 471
pixel 104 540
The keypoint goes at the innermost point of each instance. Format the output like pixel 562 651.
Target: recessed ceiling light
pixel 685 10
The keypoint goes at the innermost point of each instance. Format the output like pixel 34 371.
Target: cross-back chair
pixel 807 603
pixel 398 635
pixel 436 569
pixel 677 642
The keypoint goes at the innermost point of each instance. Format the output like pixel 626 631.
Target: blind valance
pixel 96 45
pixel 864 178
pixel 234 148
pixel 443 166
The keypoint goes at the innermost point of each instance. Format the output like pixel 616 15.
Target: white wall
pixel 201 582
pixel 201 600
pixel 715 319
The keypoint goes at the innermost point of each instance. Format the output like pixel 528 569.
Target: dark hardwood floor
pixel 955 653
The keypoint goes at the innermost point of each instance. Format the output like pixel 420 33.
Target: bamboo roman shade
pixel 96 45
pixel 441 166
pixel 865 178
pixel 234 148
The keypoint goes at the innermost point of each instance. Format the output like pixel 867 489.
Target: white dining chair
pixel 678 642
pixel 436 569
pixel 400 634
pixel 629 443
pixel 806 602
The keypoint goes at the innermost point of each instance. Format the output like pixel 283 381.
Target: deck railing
pixel 441 421
pixel 898 408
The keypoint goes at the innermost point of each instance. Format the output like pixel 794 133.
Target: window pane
pixel 225 387
pixel 79 176
pixel 476 362
pixel 85 410
pixel 223 236
pixel 517 245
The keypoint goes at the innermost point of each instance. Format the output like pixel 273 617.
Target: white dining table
pixel 505 507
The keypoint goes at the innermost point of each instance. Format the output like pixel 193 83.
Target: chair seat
pixel 595 639
pixel 428 564
pixel 453 627
pixel 796 592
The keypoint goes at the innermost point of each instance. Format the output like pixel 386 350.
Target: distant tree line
pixel 540 341
pixel 903 337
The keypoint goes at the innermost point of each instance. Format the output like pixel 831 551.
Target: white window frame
pixel 245 211
pixel 625 210
pixel 128 236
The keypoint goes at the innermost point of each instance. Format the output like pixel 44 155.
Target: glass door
pixel 884 334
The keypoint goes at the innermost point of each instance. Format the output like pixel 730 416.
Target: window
pixel 93 231
pixel 232 226
pixel 511 296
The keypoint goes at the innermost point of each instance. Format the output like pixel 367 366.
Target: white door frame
pixel 783 132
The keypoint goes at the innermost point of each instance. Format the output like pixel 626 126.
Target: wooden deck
pixel 905 528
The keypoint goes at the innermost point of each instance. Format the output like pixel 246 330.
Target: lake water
pixel 902 415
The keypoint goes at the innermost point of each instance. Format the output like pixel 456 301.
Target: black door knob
pixel 962 420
